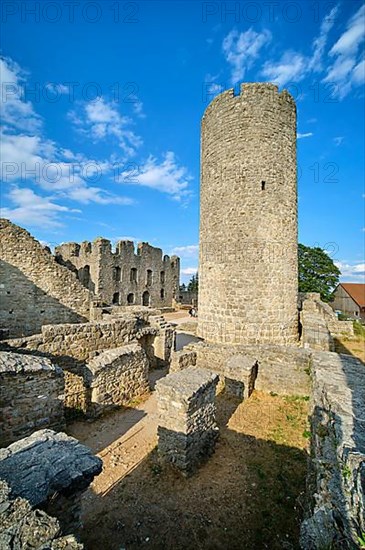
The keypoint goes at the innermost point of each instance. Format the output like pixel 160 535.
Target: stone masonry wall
pixel 336 481
pixel 31 396
pixel 336 327
pixel 22 527
pixel 34 289
pixel 187 429
pixel 117 376
pixel 248 218
pixel 154 280
pixel 72 345
pixel 283 370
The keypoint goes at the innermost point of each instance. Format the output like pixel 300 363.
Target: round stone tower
pixel 248 277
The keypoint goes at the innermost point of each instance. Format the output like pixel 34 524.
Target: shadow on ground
pixel 247 496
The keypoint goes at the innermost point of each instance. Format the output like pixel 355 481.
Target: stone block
pixel 187 428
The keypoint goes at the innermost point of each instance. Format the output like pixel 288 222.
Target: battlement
pixel 127 275
pixel 249 91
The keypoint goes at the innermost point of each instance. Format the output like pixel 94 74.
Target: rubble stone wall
pixel 34 289
pixel 187 429
pixel 118 375
pixel 283 370
pixel 123 277
pixel 336 480
pixel 31 396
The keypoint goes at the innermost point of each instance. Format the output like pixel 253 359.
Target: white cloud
pixel 165 176
pixel 320 42
pixel 100 119
pixel 291 67
pixel 189 271
pixel 308 134
pixel 34 210
pixel 189 251
pixel 28 158
pixel 351 272
pixel 345 72
pixel 16 112
pixel 348 68
pixel 57 88
pixel 242 49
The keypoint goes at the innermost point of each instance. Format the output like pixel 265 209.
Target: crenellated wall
pixel 123 277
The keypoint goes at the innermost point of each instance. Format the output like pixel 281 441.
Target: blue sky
pixel 102 103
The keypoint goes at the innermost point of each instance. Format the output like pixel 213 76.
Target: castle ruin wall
pixel 34 289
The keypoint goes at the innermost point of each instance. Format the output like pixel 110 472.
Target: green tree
pixel 317 272
pixel 183 287
pixel 194 283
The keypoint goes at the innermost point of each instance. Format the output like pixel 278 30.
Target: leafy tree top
pixel 317 272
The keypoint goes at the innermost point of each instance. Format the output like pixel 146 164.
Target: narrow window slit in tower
pixel 263 183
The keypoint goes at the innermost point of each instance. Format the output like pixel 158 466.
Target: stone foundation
pixel 187 428
pixel 280 369
pixel 31 396
pixel 117 376
pixel 51 471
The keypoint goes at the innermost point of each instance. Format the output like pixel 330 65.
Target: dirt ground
pixel 248 495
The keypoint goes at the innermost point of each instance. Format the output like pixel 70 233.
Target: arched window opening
pixel 162 277
pixel 116 298
pixel 149 277
pixel 133 275
pixel 117 274
pixel 146 298
pixel 162 294
pixel 130 298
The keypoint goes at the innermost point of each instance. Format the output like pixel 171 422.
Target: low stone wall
pixel 31 396
pixel 182 359
pixel 187 428
pixel 315 332
pixel 22 528
pixel 280 369
pixel 72 345
pixel 336 482
pixel 311 303
pixel 117 376
pixel 50 470
pixel 164 342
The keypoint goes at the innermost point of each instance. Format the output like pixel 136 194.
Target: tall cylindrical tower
pixel 248 276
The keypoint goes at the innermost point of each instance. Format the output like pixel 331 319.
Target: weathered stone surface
pixel 248 218
pixel 118 375
pixel 187 428
pixel 315 331
pixel 337 479
pixel 336 327
pixel 34 289
pixel 154 281
pixel 283 370
pixel 31 396
pixel 50 470
pixel 182 359
pixel 240 374
pixel 22 528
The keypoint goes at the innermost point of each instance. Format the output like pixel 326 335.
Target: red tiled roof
pixel 356 291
